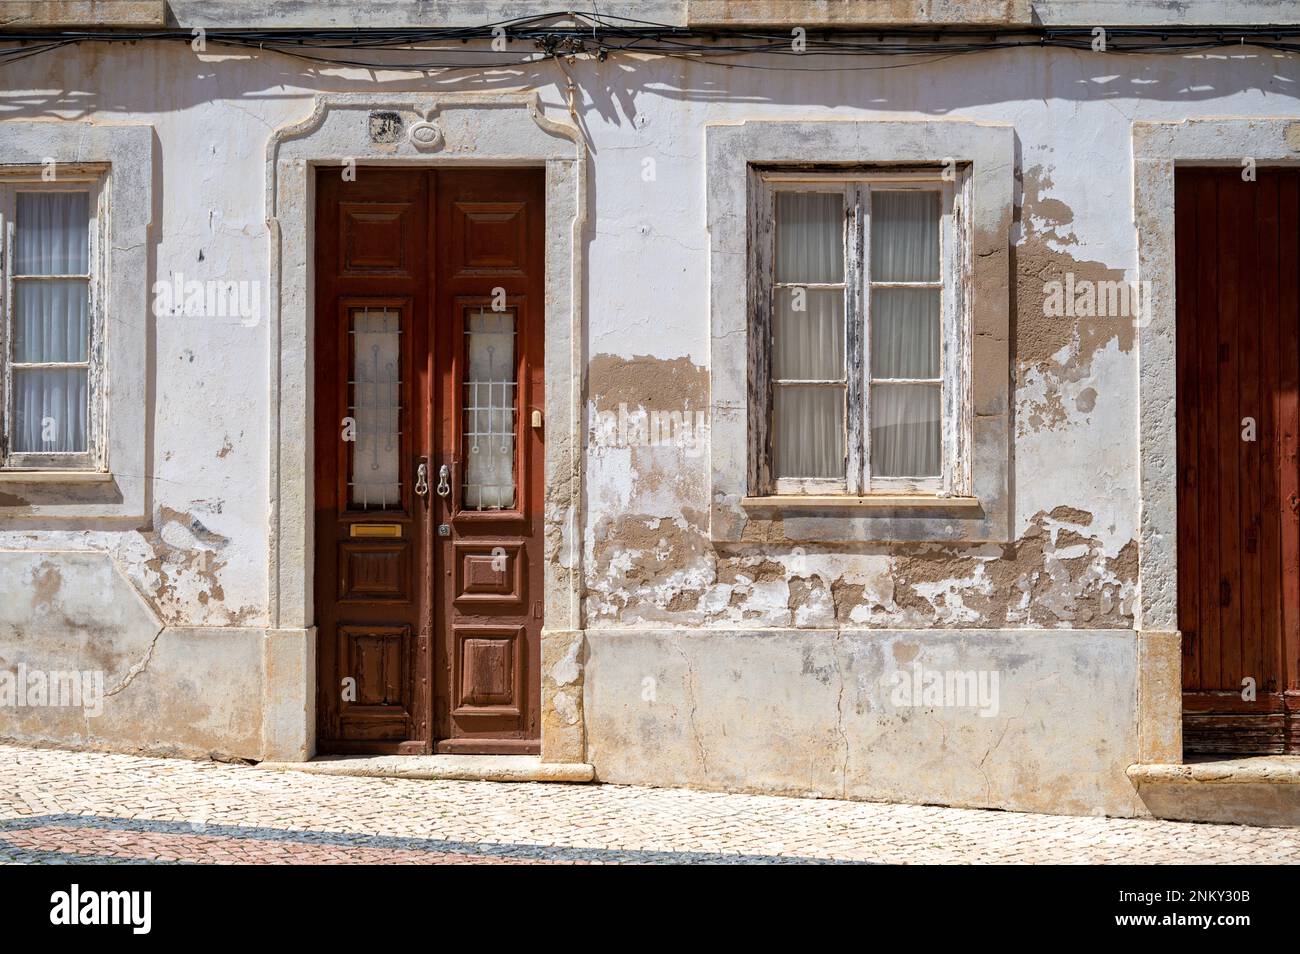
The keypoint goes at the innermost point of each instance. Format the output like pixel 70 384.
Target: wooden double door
pixel 428 474
pixel 1238 340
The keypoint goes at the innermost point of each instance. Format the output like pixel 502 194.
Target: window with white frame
pixel 50 336
pixel 861 309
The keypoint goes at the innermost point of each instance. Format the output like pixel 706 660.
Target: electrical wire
pixel 574 35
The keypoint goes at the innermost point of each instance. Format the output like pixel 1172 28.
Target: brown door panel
pixel 372 427
pixel 490 290
pixel 1238 346
pixel 428 354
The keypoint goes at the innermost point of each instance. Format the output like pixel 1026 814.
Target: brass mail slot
pixel 388 530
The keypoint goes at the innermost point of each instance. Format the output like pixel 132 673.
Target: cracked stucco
pixel 1052 605
pixel 657 566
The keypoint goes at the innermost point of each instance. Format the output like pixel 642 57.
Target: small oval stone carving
pixel 424 135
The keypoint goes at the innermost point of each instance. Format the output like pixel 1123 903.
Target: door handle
pixel 444 481
pixel 422 479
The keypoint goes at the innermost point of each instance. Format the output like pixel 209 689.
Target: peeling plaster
pixel 635 288
pixel 650 561
pixel 1054 353
pixel 185 567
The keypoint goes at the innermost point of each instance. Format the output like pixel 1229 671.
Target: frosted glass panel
pixel 489 411
pixel 809 237
pixel 53 233
pixel 809 344
pixel 905 332
pixel 905 433
pixel 51 320
pixel 904 236
pixel 808 436
pixel 377 409
pixel 50 410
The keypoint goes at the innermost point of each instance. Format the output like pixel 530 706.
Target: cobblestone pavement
pixel 64 807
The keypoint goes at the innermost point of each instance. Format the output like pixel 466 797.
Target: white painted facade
pixel 757 658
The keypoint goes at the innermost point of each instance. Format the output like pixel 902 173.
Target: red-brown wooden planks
pixel 1206 411
pixel 1246 249
pixel 1231 221
pixel 1270 370
pixel 1238 338
pixel 1188 465
pixel 1289 419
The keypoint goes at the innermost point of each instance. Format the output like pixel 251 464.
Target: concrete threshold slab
pixel 1256 790
pixel 472 768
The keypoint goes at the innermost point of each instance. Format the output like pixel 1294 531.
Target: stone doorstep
pixel 469 768
pixel 1259 790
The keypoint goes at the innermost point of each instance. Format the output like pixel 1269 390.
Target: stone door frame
pixel 414 129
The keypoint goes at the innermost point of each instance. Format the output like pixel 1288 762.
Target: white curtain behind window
pixel 809 438
pixel 905 332
pixel 906 436
pixel 808 336
pixel 51 321
pixel 809 237
pixel 809 343
pixel 904 236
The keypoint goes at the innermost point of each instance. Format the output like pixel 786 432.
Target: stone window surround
pixel 87 179
pixel 1158 148
pixel 472 129
pixel 988 151
pixel 118 491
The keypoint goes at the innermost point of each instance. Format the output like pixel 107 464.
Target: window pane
pixel 905 332
pixel 50 410
pixel 809 343
pixel 905 438
pixel 377 409
pixel 53 233
pixel 904 236
pixel 51 320
pixel 808 433
pixel 809 237
pixel 489 411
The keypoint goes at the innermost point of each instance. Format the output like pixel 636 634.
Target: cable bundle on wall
pixel 583 35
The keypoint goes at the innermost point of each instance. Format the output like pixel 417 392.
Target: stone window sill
pixel 869 502
pixel 54 477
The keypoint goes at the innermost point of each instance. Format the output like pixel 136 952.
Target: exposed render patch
pixel 46 582
pixel 1056 350
pixel 650 559
pixel 1052 576
pixel 185 568
pixel 647 382
pixel 1057 575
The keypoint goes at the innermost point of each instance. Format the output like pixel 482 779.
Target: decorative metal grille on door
pixel 490 410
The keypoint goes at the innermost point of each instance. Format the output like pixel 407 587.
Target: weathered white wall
pixel 816 712
pixel 1069 575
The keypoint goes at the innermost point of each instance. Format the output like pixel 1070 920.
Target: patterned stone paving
pixel 75 807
